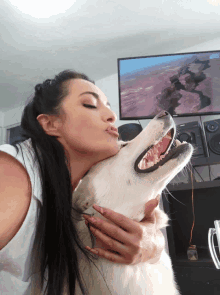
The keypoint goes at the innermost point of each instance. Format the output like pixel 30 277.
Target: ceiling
pixel 91 35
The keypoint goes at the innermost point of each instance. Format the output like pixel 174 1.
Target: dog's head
pixel 137 173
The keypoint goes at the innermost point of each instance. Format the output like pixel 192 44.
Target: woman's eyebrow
pixel 95 95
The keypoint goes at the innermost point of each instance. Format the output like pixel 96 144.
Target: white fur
pixel 114 184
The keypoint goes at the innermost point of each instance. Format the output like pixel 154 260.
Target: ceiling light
pixel 42 8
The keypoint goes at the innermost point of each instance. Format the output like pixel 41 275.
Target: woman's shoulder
pixel 15 197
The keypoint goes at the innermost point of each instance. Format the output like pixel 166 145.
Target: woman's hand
pixel 125 241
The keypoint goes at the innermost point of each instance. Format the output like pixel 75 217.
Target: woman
pixel 65 122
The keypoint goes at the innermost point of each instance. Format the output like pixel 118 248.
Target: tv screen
pixel 186 84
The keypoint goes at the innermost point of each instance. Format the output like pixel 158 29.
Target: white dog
pixel 125 183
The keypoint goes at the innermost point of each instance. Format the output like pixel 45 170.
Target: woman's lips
pixel 112 132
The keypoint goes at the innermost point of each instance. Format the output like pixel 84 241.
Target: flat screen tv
pixel 184 84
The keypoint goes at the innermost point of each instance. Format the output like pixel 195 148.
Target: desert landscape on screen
pixel 190 85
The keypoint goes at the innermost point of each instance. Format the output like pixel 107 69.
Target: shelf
pixel 201 262
pixel 204 259
pixel 196 185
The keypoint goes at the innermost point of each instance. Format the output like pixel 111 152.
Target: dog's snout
pixel 162 114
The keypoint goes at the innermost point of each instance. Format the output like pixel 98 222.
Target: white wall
pixel 109 86
pixel 1 126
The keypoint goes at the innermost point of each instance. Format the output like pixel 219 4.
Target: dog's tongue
pixel 153 156
pixel 159 148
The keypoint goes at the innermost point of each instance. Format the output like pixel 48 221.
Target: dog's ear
pixel 122 143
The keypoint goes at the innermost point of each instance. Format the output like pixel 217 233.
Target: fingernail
pixel 94 251
pixel 154 204
pixel 99 209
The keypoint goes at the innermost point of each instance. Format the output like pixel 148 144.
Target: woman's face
pixel 83 132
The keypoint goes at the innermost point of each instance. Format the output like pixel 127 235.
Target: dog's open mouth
pixel 157 155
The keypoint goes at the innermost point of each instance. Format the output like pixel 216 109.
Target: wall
pixel 109 86
pixel 1 126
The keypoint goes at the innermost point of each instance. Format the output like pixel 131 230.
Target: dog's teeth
pixel 168 136
pixel 178 142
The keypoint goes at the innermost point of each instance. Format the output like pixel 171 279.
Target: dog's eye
pixel 123 145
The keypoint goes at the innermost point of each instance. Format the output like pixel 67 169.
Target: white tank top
pixel 15 276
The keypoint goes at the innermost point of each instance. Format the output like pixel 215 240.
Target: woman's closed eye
pixel 90 106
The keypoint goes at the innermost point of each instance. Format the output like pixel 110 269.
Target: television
pixel 184 84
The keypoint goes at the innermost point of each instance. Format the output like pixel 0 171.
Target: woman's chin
pixel 117 147
pixel 111 152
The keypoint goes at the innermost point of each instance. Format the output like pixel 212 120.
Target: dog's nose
pixel 162 114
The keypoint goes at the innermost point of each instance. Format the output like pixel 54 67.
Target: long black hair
pixel 56 236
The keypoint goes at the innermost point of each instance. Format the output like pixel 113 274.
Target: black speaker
pixel 192 133
pixel 128 132
pixel 212 132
